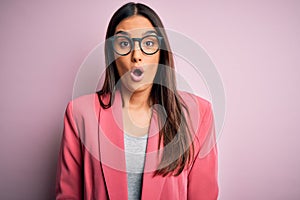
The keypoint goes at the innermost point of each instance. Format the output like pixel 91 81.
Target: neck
pixel 136 100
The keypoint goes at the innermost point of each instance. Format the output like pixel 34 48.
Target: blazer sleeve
pixel 203 175
pixel 69 166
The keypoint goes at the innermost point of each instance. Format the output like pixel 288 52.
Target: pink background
pixel 254 44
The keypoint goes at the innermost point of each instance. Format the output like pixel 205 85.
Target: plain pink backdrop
pixel 255 46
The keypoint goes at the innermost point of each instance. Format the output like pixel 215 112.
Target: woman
pixel 153 141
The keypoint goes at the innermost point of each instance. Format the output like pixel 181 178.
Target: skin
pixel 136 110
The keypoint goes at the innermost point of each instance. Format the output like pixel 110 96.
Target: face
pixel 137 69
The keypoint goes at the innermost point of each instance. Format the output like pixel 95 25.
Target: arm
pixel 69 167
pixel 203 175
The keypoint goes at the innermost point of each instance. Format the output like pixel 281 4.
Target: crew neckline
pixel 136 137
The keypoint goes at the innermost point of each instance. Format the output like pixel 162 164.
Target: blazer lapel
pixel 112 150
pixel 152 185
pixel 113 155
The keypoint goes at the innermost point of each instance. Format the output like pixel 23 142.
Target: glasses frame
pixel 132 41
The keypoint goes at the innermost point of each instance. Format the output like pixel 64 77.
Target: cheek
pixel 154 59
pixel 153 62
pixel 153 66
pixel 122 64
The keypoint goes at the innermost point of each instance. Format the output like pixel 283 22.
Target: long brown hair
pixel 174 131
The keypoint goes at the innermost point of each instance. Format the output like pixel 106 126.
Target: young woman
pixel 138 137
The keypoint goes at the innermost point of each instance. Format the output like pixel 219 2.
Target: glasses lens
pixel 122 45
pixel 150 44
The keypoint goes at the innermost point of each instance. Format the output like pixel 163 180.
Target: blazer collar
pixel 112 154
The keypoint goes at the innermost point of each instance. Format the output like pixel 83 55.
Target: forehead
pixel 135 25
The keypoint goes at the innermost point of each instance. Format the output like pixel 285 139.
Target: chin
pixel 137 87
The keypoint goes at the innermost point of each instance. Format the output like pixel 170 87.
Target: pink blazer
pixel 92 134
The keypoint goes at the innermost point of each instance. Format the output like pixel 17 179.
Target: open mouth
pixel 137 74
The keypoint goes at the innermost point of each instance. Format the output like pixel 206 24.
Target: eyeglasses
pixel 123 45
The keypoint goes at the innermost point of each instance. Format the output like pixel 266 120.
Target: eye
pixel 149 43
pixel 123 44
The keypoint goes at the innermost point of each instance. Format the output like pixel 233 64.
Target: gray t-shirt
pixel 135 148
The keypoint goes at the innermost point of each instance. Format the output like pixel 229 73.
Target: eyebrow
pixel 121 32
pixel 126 33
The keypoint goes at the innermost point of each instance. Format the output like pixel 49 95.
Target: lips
pixel 137 74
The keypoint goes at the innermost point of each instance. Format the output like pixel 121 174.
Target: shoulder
pixel 195 103
pixel 200 115
pixel 82 105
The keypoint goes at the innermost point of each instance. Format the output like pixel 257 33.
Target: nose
pixel 136 52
